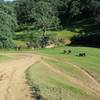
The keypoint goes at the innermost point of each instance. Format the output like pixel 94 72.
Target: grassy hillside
pixel 66 76
pixel 90 62
pixel 58 37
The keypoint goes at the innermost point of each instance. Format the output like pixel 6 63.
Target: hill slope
pixel 66 76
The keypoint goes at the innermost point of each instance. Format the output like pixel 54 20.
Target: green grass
pixel 58 37
pixel 20 43
pixel 4 58
pixel 91 62
pixel 20 33
pixel 40 76
pixel 62 34
pixel 52 86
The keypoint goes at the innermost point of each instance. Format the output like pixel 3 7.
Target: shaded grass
pixel 56 37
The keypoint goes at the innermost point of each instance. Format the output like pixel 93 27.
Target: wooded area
pixel 19 15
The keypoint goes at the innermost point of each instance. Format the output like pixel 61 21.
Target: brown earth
pixel 12 77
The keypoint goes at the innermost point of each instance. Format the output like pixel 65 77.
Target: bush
pixel 89 40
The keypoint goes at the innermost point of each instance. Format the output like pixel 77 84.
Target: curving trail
pixel 12 78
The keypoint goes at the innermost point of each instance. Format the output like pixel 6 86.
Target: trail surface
pixel 12 77
pixel 13 82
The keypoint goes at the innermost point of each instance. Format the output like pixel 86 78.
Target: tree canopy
pixel 48 12
pixel 39 13
pixel 48 15
pixel 7 26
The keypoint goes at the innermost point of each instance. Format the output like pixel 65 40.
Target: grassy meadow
pixel 4 57
pixel 57 37
pixel 54 83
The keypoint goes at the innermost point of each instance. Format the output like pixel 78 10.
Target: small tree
pixel 45 18
pixel 39 13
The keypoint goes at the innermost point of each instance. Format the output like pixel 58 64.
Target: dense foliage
pixel 7 26
pixel 48 15
pixel 38 13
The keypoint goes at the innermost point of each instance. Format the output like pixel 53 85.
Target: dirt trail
pixel 12 78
